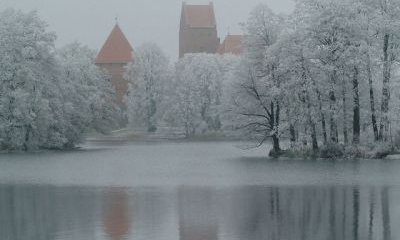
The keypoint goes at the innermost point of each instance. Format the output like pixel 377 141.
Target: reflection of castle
pixel 116 220
pixel 251 213
pixel 197 214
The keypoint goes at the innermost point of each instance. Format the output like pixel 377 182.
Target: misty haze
pixel 200 120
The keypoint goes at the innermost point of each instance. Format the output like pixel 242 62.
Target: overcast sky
pixel 91 21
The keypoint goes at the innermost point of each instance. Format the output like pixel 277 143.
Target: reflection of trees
pixel 154 214
pixel 303 213
pixel 385 213
pixel 251 213
pixel 371 213
pixel 39 212
pixel 356 209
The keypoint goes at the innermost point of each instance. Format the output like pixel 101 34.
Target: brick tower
pixel 198 29
pixel 115 54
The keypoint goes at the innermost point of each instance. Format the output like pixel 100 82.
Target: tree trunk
pixel 292 135
pixel 292 128
pixel 274 125
pixel 372 100
pixel 307 102
pixel 334 135
pixel 27 137
pixel 322 115
pixel 325 133
pixel 345 134
pixel 312 124
pixel 356 108
pixel 384 126
pixel 314 137
pixel 332 121
pixel 276 144
pixel 277 120
pixel 323 121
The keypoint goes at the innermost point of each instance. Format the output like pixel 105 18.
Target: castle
pixel 198 34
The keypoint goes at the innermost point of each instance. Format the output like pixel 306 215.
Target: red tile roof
pixel 116 49
pixel 199 15
pixel 232 44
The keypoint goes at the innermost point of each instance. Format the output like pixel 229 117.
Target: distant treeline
pixel 324 77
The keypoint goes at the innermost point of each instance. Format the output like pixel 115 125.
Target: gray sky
pixel 91 21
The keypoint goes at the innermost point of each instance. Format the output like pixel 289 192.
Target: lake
pixel 194 191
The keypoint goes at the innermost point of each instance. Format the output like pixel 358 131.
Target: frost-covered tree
pixel 258 95
pixel 147 76
pixel 347 40
pixel 28 77
pixel 388 26
pixel 315 76
pixel 48 99
pixel 195 94
pixel 87 93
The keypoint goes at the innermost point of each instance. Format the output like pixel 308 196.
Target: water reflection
pixel 197 214
pixel 117 215
pixel 191 213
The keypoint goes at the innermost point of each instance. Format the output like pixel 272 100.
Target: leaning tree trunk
pixel 372 100
pixel 384 125
pixel 356 108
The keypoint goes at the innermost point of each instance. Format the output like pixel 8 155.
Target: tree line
pixel 324 75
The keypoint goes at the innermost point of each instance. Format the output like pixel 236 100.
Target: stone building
pixel 115 54
pixel 198 30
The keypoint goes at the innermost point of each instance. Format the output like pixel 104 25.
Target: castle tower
pixel 115 54
pixel 198 29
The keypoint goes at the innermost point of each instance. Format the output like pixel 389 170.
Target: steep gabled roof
pixel 232 44
pixel 199 15
pixel 116 49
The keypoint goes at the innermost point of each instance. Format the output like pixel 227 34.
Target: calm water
pixel 194 191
